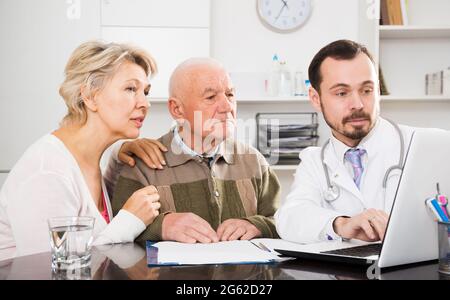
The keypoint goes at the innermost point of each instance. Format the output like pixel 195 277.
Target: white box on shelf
pixel 434 83
pixel 446 82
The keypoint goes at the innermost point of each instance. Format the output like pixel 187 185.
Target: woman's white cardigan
pixel 47 182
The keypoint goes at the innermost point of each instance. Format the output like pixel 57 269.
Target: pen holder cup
pixel 444 247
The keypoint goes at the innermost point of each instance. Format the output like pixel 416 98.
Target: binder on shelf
pixel 383 87
pixel 404 10
pixel 393 12
pixel 446 82
pixel 438 83
pixel 384 20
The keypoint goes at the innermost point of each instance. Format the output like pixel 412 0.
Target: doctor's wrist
pixel 339 224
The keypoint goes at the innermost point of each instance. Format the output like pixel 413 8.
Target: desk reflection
pixel 129 261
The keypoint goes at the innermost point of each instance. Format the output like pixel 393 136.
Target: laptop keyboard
pixel 359 251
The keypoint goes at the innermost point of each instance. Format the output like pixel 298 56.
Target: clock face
pixel 283 15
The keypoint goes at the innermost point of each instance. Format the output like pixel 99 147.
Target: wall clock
pixel 283 15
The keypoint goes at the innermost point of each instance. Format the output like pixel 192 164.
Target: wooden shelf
pixel 413 32
pixel 284 167
pixel 272 99
pixel 305 99
pixel 156 100
pixel 423 98
pixel 250 99
pixel 416 98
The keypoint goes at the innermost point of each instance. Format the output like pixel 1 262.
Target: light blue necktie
pixel 354 157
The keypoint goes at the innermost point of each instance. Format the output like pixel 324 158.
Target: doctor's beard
pixel 358 132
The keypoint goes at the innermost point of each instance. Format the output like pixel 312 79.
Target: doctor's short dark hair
pixel 339 50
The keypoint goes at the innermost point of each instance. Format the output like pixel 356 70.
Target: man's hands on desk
pixel 190 228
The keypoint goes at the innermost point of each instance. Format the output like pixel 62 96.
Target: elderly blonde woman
pixel 105 90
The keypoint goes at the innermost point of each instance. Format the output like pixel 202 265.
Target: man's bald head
pixel 188 72
pixel 202 101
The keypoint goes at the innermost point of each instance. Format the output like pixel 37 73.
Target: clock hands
pixel 284 5
pixel 291 14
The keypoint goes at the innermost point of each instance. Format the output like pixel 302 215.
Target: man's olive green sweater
pixel 238 183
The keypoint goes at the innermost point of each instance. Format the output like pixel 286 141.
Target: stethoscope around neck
pixel 333 191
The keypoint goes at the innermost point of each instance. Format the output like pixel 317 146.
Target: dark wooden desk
pixel 128 261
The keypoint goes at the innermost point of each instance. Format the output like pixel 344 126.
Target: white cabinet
pixel 156 13
pixel 171 30
pixel 169 47
pixel 37 38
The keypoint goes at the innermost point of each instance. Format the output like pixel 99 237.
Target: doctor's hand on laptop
pixel 369 226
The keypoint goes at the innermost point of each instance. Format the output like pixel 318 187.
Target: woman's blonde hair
pixel 90 66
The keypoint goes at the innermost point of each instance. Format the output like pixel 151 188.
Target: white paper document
pixel 233 252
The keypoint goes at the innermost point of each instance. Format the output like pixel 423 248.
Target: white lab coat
pixel 306 217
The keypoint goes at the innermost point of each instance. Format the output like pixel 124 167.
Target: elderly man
pixel 213 188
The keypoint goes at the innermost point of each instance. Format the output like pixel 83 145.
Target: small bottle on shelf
pixel 285 87
pixel 300 87
pixel 274 78
pixel 307 85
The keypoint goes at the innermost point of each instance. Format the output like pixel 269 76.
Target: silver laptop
pixel 411 234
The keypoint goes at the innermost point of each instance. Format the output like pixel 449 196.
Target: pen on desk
pixel 261 246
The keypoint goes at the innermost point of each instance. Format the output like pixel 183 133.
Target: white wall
pixel 429 55
pixel 171 30
pixel 405 61
pixel 240 41
pixel 243 44
pixel 37 38
pixel 404 78
pixel 429 12
pixel 418 114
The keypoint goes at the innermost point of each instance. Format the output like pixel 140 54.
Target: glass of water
pixel 71 240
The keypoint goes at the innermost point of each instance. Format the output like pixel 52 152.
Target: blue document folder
pixel 234 252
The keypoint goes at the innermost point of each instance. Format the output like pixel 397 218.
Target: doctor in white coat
pixel 345 189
